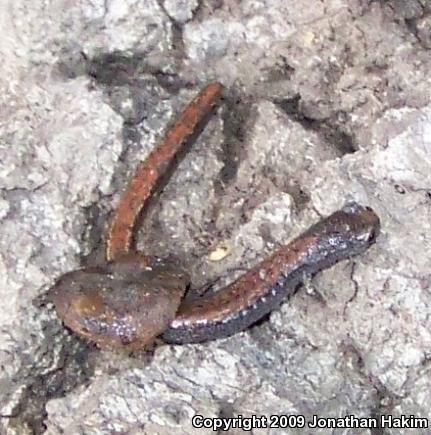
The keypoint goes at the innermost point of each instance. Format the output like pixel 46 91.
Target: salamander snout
pixel 367 224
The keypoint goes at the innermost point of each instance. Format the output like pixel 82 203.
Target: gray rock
pixel 323 104
pixel 181 10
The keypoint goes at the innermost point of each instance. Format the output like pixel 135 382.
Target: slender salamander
pixel 134 298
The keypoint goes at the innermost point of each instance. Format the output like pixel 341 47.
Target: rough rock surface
pixel 323 104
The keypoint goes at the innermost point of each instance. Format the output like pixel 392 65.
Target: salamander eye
pixel 372 236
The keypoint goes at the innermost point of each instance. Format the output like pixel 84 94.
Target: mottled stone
pixel 181 10
pixel 323 104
